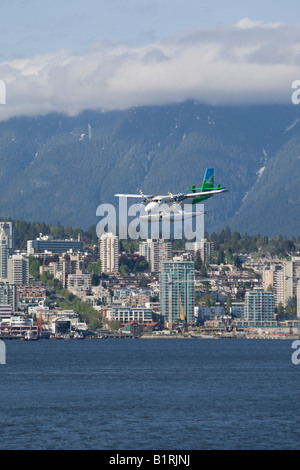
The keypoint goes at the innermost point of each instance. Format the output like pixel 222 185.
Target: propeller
pixel 177 197
pixel 143 198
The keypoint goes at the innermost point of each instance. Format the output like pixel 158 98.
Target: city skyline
pixel 279 278
pixel 100 99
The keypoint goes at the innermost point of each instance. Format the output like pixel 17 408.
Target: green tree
pixel 280 309
pixel 45 277
pixel 228 303
pixel 221 257
pixel 129 246
pixel 142 265
pixel 291 307
pixel 228 257
pixel 237 261
pixel 34 266
pixel 208 300
pixel 94 268
pixel 115 325
pixel 198 261
pixel 124 269
pixel 203 271
pixel 143 282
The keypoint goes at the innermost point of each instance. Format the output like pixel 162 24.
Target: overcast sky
pixel 71 55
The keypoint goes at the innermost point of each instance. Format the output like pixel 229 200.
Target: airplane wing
pixel 205 193
pixel 142 196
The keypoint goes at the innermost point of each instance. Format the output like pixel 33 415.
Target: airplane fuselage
pixel 153 206
pixel 201 198
pixel 157 210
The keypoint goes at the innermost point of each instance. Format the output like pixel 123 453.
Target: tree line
pixel 226 240
pixel 24 231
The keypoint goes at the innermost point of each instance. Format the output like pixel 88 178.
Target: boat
pixel 202 336
pixel 29 336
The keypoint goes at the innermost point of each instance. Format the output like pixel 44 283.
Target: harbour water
pixel 150 394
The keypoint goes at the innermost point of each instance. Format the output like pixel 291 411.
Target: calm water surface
pixel 155 394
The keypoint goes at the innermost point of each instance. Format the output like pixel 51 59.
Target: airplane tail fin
pixel 207 190
pixel 208 182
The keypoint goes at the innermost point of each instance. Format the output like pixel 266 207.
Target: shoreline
pixel 272 337
pixel 291 337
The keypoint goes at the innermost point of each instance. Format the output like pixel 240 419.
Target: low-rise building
pixel 126 314
pixel 79 281
pixel 49 244
pixel 133 328
pixel 5 312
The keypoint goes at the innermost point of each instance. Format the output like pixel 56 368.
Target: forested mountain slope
pixel 57 168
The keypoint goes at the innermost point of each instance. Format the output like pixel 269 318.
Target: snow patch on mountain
pixel 292 125
pixel 260 172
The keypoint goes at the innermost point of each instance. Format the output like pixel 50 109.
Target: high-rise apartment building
pixel 145 249
pixel 109 253
pixel 292 276
pixel 156 252
pixel 4 250
pixel 8 295
pixel 18 270
pixel 8 290
pixel 177 292
pixel 259 306
pixel 65 265
pixel 273 276
pixel 205 248
pixel 298 299
pixel 283 278
pixel 9 229
pixel 70 263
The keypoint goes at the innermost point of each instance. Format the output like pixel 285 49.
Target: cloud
pixel 247 23
pixel 249 62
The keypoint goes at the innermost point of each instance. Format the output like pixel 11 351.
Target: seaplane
pixel 170 206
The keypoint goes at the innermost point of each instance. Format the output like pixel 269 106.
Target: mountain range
pixel 58 168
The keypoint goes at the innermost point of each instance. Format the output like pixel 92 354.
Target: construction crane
pixel 40 322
